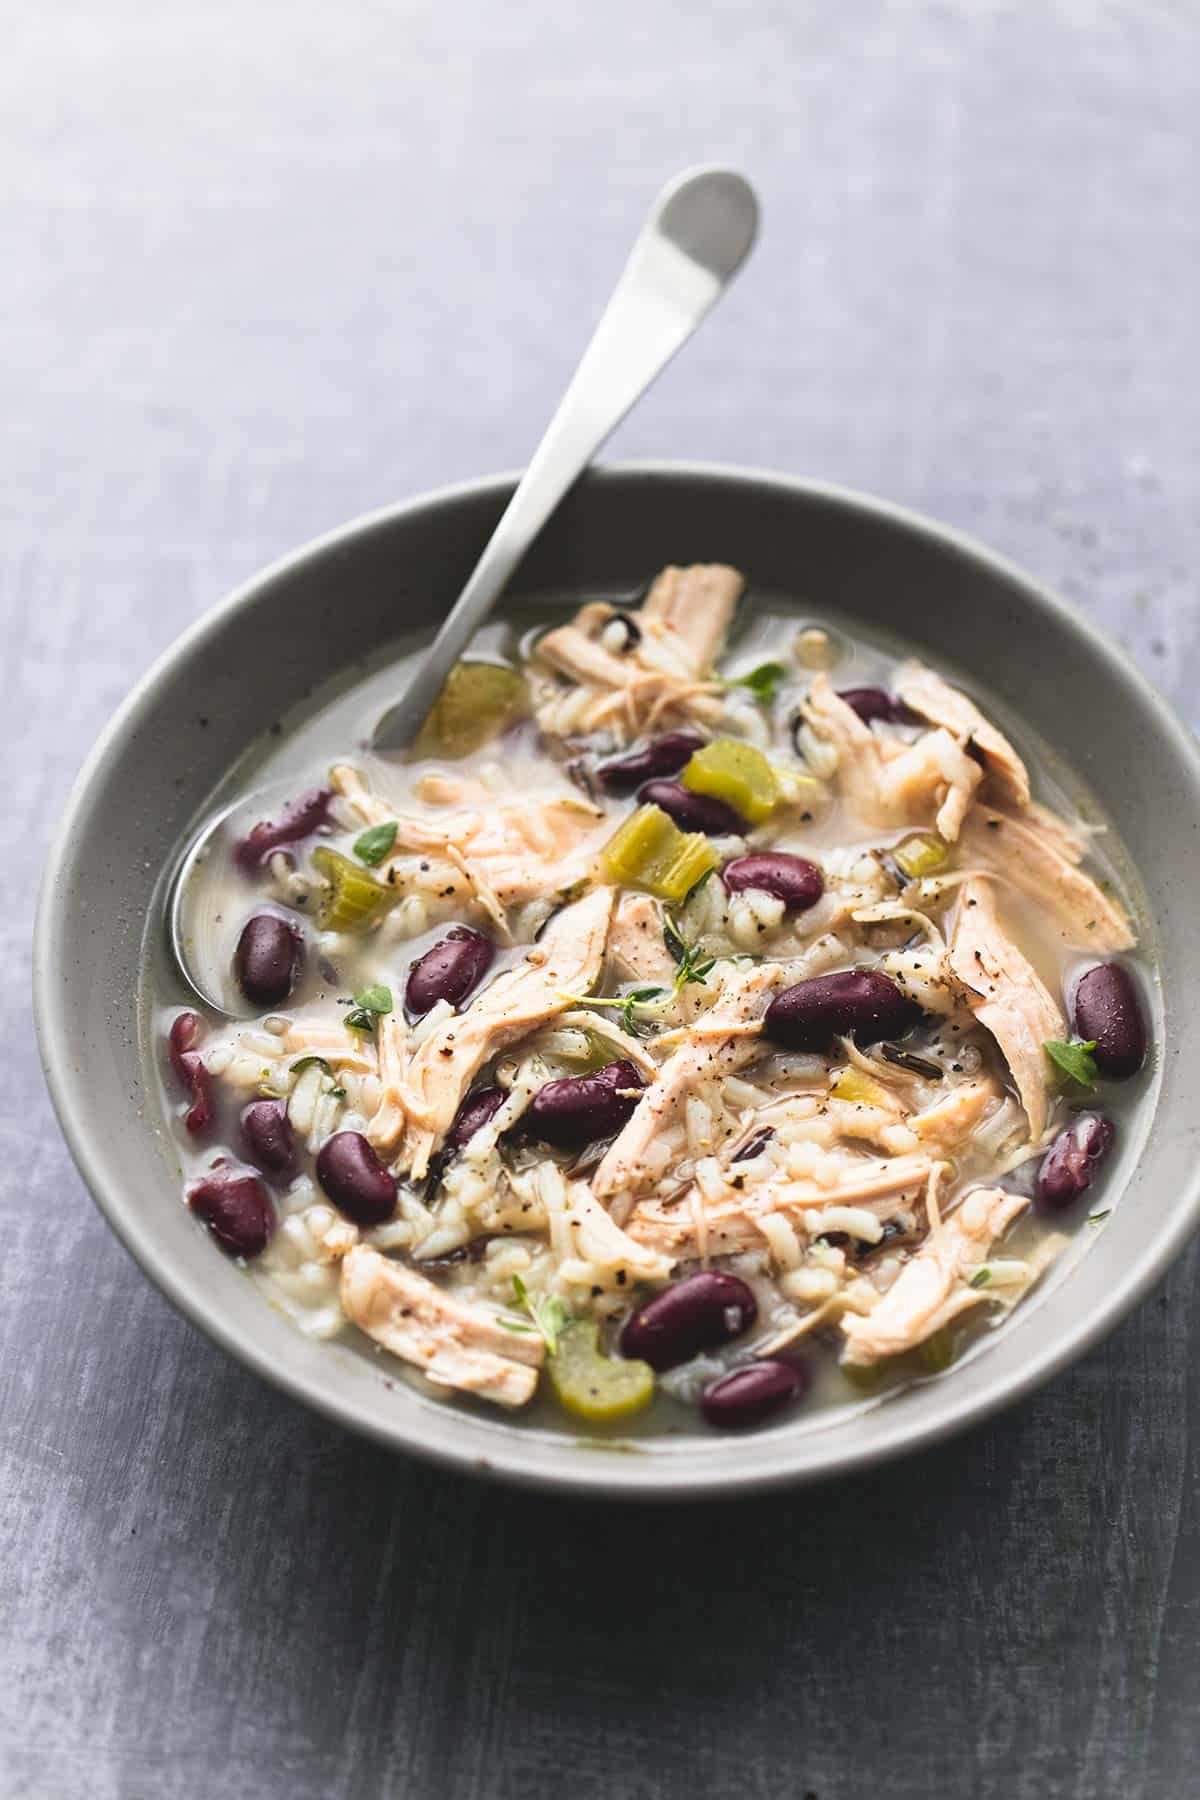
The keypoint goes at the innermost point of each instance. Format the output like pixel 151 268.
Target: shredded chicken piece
pixel 603 1254
pixel 568 960
pixel 1033 853
pixel 693 608
pixel 316 1037
pixel 717 1047
pixel 386 1127
pixel 600 1025
pixel 952 1119
pixel 733 1223
pixel 931 780
pixel 454 1345
pixel 525 850
pixel 932 1289
pixel 635 941
pixel 665 672
pixel 934 699
pixel 1007 996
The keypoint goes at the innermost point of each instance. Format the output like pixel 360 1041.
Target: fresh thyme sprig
pixel 549 1316
pixel 691 965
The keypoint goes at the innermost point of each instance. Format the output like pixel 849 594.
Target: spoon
pixel 696 236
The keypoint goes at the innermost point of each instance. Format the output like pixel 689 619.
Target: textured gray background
pixel 268 265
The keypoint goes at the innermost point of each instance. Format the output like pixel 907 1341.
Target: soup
pixel 705 1021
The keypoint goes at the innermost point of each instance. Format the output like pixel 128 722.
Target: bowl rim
pixel 640 1477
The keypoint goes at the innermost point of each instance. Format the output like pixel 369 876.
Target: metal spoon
pixel 695 238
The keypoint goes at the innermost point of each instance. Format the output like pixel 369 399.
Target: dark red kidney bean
pixel 870 703
pixel 449 971
pixel 299 819
pixel 695 1314
pixel 581 1108
pixel 235 1206
pixel 268 1134
pixel 268 959
pixel 1106 1008
pixel 792 879
pixel 750 1394
pixel 185 1034
pixel 353 1177
pixel 754 1145
pixel 864 1003
pixel 662 756
pixel 473 1115
pixel 1068 1166
pixel 694 812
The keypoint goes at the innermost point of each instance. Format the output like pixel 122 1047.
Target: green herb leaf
pixel 691 965
pixel 1099 1218
pixel 376 999
pixel 374 843
pixel 763 682
pixel 1074 1060
pixel 319 1062
pixel 625 1004
pixel 369 1003
pixel 980 1278
pixel 550 1317
pixel 674 939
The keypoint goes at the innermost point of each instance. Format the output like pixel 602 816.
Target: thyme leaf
pixel 1074 1060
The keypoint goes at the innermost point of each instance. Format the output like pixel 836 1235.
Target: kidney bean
pixel 268 1134
pixel 581 1108
pixel 695 1314
pixel 792 879
pixel 186 1031
pixel 299 819
pixel 449 971
pixel 473 1115
pixel 1106 1008
pixel 662 756
pixel 750 1394
pixel 268 958
pixel 694 812
pixel 235 1206
pixel 355 1180
pixel 873 703
pixel 861 1002
pixel 1068 1166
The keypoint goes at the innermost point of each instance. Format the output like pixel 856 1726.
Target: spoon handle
pixel 695 238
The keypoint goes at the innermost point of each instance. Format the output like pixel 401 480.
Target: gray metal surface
pixel 228 328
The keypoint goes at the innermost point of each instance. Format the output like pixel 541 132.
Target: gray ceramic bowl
pixel 260 651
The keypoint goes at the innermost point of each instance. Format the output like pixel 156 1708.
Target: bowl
pixel 257 655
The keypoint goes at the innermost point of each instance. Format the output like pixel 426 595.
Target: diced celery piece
pixel 736 773
pixel 939 1350
pixel 696 858
pixel 922 854
pixel 601 1389
pixel 648 850
pixel 354 900
pixel 858 1088
pixel 866 1377
pixel 477 700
